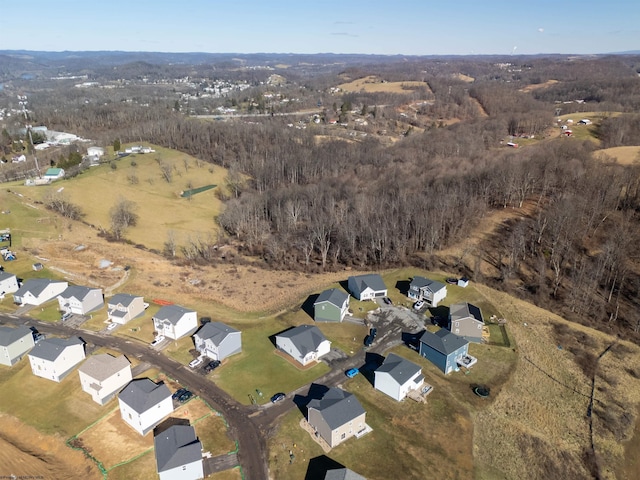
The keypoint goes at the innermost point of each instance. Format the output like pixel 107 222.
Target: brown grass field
pixel 538 86
pixel 375 84
pixel 621 155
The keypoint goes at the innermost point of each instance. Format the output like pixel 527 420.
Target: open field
pixel 375 84
pixel 621 155
pixel 538 86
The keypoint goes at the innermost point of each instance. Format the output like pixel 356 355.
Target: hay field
pixel 538 86
pixel 622 155
pixel 375 84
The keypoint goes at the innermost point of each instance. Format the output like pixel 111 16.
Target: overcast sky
pixel 410 27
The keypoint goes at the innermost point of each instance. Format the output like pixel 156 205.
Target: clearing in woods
pixel 375 84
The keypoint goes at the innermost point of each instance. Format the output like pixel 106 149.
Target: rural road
pixel 249 425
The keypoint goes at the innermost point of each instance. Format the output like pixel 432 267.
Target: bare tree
pixel 170 245
pixel 166 169
pixel 122 216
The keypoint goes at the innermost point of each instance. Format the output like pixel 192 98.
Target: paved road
pixel 249 425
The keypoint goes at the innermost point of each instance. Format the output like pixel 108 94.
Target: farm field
pixel 374 84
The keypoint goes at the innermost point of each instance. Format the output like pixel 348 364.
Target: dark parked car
pixel 387 300
pixel 178 393
pixel 185 396
pixel 373 332
pixel 212 365
pixel 368 340
pixel 278 397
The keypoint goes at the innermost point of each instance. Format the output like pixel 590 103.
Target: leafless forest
pixel 405 174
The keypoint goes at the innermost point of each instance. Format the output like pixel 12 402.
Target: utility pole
pixel 23 101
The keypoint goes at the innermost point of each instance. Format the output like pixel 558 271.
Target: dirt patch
pixel 26 452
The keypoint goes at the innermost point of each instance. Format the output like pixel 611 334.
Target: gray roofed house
pixel 8 283
pixel 430 291
pixel 397 376
pixel 36 291
pixel 143 404
pixel 80 300
pixel 342 474
pixel 331 306
pixel 123 307
pixel 444 349
pixel 465 319
pixel 14 344
pixel 54 358
pixel 367 287
pixel 103 375
pixel 337 416
pixel 174 321
pixel 217 340
pixel 305 343
pixel 178 453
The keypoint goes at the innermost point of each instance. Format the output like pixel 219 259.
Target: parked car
pixel 178 393
pixel 111 326
pixel 185 396
pixel 278 397
pixel 66 316
pixel 387 300
pixel 373 332
pixel 418 305
pixel 352 372
pixel 159 339
pixel 368 340
pixel 38 337
pixel 195 362
pixel 212 365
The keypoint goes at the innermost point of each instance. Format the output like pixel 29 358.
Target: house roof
pixel 370 280
pixel 35 286
pixel 77 291
pixel 172 313
pixel 123 299
pixel 143 394
pixel 333 296
pixel 337 407
pixel 51 348
pixel 216 331
pixel 400 369
pixel 342 474
pixel 306 338
pixel 10 335
pixel 5 275
pixel 102 366
pixel 176 446
pixel 458 311
pixel 422 282
pixel 443 341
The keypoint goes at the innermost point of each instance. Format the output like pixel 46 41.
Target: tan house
pixel 337 416
pixel 102 376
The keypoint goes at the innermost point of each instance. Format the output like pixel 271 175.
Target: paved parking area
pixel 335 355
pixel 75 320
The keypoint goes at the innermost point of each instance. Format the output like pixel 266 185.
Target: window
pixel 457 324
pixel 343 436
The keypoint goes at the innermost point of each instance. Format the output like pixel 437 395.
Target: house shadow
pixel 403 287
pixel 272 338
pixel 440 316
pixel 168 423
pixel 316 392
pixel 372 362
pixel 345 286
pixel 412 340
pixel 307 305
pixel 319 466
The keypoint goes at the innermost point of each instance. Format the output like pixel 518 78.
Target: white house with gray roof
pixel 8 283
pixel 123 307
pixel 174 321
pixel 178 453
pixel 54 358
pixel 305 343
pixel 397 376
pixel 331 306
pixel 342 474
pixel 217 340
pixel 367 287
pixel 14 344
pixel 428 290
pixel 102 376
pixel 337 416
pixel 37 291
pixel 143 404
pixel 80 300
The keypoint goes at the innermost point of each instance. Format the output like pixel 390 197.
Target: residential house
pixel 80 300
pixel 342 474
pixel 466 320
pixel 54 358
pixel 175 322
pixel 397 377
pixel 217 340
pixel 14 344
pixel 444 349
pixel 178 453
pixel 305 343
pixel 337 416
pixel 8 283
pixel 37 291
pixel 123 307
pixel 102 376
pixel 367 287
pixel 53 174
pixel 143 404
pixel 427 290
pixel 95 151
pixel 331 306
